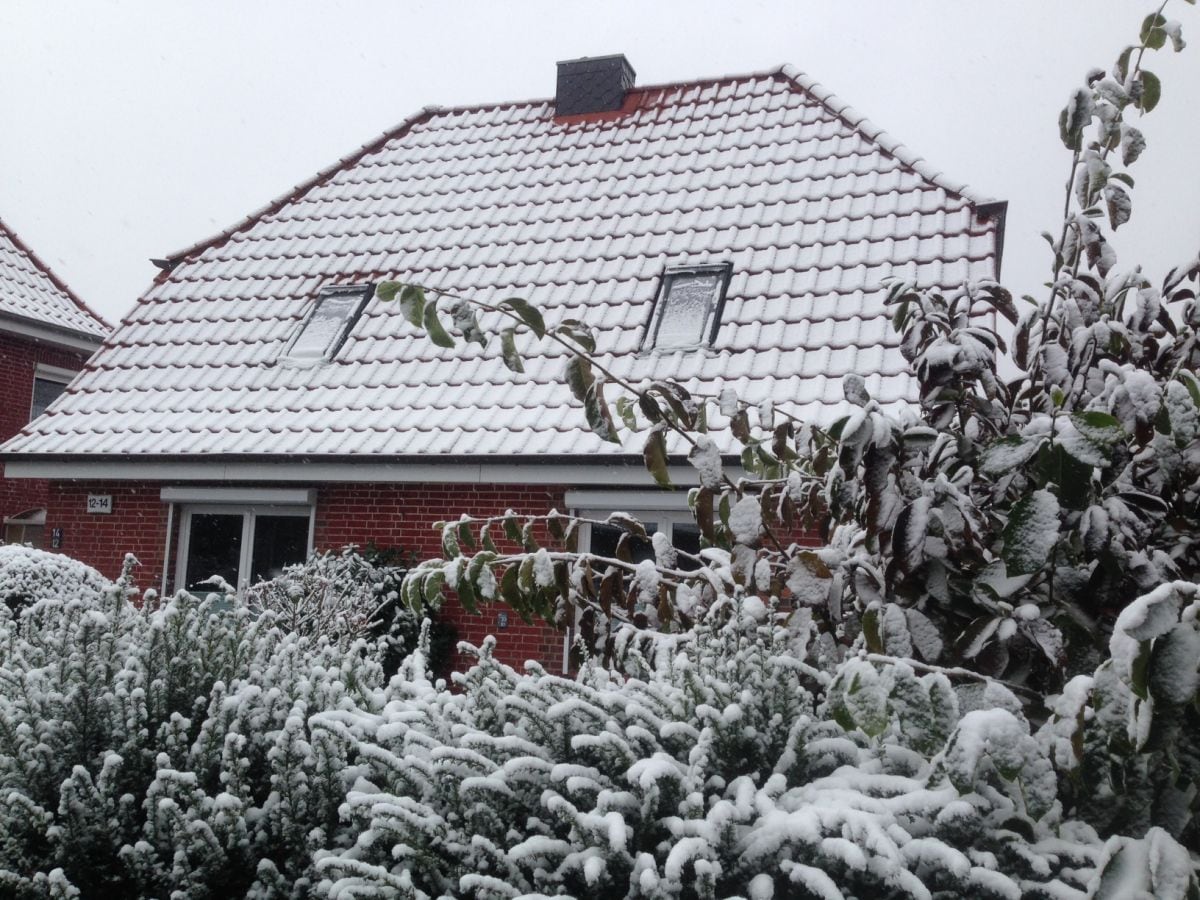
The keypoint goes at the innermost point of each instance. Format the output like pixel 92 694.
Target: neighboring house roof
pixel 811 204
pixel 34 297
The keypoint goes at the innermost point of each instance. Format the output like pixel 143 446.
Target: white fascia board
pixel 267 496
pixel 653 499
pixel 66 339
pixel 581 473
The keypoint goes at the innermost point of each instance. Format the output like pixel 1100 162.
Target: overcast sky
pixel 133 129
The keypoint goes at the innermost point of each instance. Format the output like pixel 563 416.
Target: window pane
pixel 214 548
pixel 686 304
pixel 324 327
pixel 605 537
pixel 45 392
pixel 278 541
pixel 686 537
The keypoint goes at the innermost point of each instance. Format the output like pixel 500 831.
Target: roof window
pixel 687 312
pixel 325 329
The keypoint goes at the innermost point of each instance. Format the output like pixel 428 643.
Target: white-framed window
pixel 243 543
pixel 324 331
pixel 687 311
pixel 27 528
pixel 48 383
pixel 658 512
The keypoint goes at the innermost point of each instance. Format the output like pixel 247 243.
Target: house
pixel 46 336
pixel 260 401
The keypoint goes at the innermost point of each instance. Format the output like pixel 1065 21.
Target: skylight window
pixel 688 310
pixel 326 327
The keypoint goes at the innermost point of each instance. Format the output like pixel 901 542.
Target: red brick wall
pixel 136 525
pixel 386 515
pixel 19 358
pixel 401 516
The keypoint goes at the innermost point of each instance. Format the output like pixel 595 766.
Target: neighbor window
pixel 688 309
pixel 48 383
pixel 241 544
pixel 325 329
pixel 27 528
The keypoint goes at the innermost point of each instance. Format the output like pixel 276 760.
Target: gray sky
pixel 132 129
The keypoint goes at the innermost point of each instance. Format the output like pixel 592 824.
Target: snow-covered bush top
pixel 336 594
pixel 28 575
pixel 176 751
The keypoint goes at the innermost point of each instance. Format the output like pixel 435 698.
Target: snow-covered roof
pixel 31 293
pixel 810 204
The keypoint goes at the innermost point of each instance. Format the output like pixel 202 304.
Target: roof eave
pixel 38 330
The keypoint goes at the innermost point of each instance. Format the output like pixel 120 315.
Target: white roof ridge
pixel 873 132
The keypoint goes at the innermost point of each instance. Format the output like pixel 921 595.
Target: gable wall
pixel 19 358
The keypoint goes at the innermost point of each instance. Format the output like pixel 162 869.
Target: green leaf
pixel 1010 453
pixel 512 528
pixel 412 304
pixel 387 290
pixel 1031 533
pixel 466 321
pixel 1153 34
pixel 508 350
pixel 510 592
pixel 1151 91
pixel 579 377
pixel 432 586
pixel 578 333
pixel 625 411
pixel 1119 205
pixel 466 595
pixel 871 630
pixel 599 417
pixel 1132 145
pixel 655 455
pixel 450 548
pixel 1075 117
pixel 433 325
pixel 1098 426
pixel 1121 68
pixel 529 315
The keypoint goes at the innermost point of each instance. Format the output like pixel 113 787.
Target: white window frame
pixel 249 513
pixel 43 372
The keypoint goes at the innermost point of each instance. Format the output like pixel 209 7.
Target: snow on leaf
pixel 745 520
pixel 1031 533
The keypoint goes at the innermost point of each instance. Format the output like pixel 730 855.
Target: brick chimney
pixel 592 84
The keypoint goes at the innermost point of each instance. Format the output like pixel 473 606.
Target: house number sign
pixel 99 503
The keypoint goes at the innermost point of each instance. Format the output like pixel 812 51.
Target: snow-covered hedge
pixel 27 575
pixel 166 750
pixel 174 751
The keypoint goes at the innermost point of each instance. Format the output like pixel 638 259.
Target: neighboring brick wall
pixel 392 515
pixel 19 358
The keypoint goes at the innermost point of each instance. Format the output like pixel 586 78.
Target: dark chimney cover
pixel 592 84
